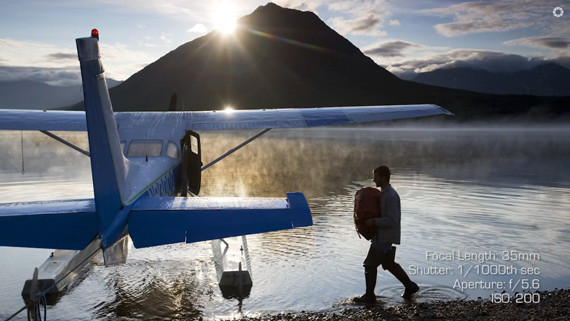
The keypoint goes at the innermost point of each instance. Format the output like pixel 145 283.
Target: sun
pixel 224 17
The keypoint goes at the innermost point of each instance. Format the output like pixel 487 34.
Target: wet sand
pixel 554 305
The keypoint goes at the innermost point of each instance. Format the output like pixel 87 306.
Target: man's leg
pixel 370 275
pixel 396 270
pixel 371 264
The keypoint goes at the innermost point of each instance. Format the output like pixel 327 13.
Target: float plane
pixel 146 171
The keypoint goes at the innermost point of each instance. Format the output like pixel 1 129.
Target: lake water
pixel 500 197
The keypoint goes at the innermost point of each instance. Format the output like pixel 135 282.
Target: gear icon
pixel 558 12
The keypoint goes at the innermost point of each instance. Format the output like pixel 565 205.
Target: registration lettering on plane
pixel 165 186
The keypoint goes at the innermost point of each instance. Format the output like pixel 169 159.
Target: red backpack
pixel 366 205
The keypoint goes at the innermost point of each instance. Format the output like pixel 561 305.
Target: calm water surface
pixel 499 193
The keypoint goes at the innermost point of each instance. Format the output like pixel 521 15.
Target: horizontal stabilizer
pixel 165 220
pixel 68 225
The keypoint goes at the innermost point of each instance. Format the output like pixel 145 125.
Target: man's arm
pixel 386 221
pixel 390 216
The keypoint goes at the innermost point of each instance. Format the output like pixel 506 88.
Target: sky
pixel 37 37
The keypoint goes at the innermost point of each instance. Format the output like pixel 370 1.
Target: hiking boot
pixel 366 298
pixel 410 291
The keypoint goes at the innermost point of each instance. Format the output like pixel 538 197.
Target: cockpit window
pixel 145 147
pixel 172 150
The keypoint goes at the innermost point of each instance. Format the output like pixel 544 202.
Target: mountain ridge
pixel 548 79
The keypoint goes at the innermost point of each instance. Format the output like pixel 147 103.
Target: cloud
pixel 554 48
pixel 53 76
pixel 492 61
pixel 198 28
pixel 62 56
pixel 394 23
pixel 310 5
pixel 46 62
pixel 390 49
pixel 365 23
pixel 359 17
pixel 28 53
pixel 358 26
pixel 396 51
pixel 541 42
pixel 497 16
pixel 166 38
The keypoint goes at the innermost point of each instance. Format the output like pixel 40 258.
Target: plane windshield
pixel 145 147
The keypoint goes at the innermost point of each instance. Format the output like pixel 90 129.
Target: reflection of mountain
pixel 544 80
pixel 38 95
pixel 287 58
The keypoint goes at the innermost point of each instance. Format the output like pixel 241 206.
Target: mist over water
pixel 317 161
pixel 474 190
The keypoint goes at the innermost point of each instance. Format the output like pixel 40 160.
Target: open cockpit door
pixel 191 171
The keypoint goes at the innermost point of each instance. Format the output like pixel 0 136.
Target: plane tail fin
pixel 108 165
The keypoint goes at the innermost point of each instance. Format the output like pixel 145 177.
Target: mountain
pixel 38 95
pixel 277 58
pixel 282 57
pixel 548 79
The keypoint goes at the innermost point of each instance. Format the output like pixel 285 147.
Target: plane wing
pixel 218 120
pixel 164 220
pixel 68 225
pixel 274 118
pixel 12 119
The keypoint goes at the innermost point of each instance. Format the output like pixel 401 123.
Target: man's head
pixel 382 176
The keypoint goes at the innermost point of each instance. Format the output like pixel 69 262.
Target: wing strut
pixel 231 151
pixel 65 142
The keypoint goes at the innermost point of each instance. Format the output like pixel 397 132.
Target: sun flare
pixel 224 17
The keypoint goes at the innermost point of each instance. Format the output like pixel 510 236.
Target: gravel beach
pixel 553 305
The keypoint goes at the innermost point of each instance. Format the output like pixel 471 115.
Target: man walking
pixel 381 251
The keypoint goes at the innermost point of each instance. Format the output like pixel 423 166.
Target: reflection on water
pixel 473 190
